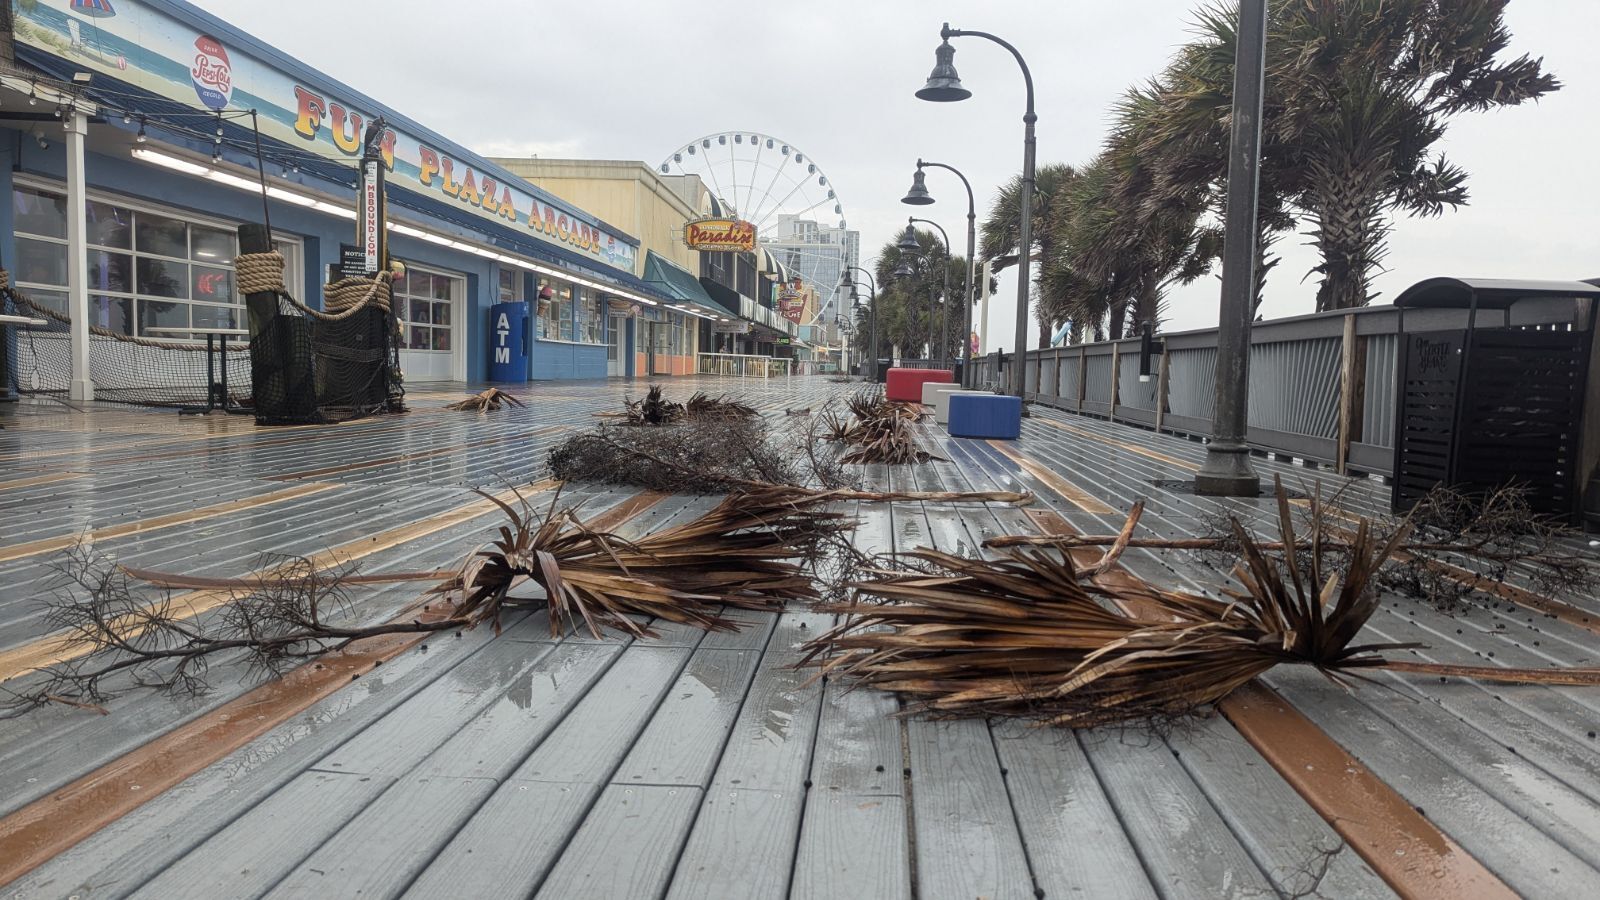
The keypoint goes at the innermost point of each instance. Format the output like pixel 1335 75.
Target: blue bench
pixel 985 416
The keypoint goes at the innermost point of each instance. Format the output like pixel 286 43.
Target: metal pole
pixel 82 384
pixel 944 307
pixel 1226 471
pixel 967 297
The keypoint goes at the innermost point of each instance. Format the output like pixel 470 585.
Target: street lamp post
pixel 919 196
pixel 944 86
pixel 910 249
pixel 944 306
pixel 872 301
pixel 1226 471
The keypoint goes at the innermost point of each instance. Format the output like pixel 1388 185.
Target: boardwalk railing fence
pixel 743 366
pixel 1322 386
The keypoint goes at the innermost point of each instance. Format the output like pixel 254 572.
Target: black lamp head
pixel 855 296
pixel 908 241
pixel 918 195
pixel 903 270
pixel 944 85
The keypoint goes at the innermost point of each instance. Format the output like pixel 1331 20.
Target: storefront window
pixel 424 301
pixel 591 318
pixel 510 286
pixel 150 274
pixel 555 310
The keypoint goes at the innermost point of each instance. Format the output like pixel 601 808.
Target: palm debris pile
pixel 486 401
pixel 1047 634
pixel 878 430
pixel 759 549
pixel 656 409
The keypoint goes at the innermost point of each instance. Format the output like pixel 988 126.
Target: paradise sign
pixel 720 235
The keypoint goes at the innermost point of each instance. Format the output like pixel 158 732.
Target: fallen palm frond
pixel 735 459
pixel 1458 544
pixel 755 550
pixel 704 408
pixel 654 409
pixel 878 431
pixel 486 401
pixel 749 551
pixel 1030 635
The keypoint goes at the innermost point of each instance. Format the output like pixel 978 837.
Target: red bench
pixel 905 385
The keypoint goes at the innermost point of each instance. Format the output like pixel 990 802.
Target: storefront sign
pixel 371 216
pixel 720 235
pixel 738 327
pixel 159 53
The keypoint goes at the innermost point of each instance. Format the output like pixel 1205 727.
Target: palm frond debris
pixel 486 401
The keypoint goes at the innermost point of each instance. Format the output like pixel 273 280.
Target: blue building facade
pixel 159 107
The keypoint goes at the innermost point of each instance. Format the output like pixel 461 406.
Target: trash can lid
pixel 1493 293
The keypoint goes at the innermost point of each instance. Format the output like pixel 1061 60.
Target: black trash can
pixel 1480 407
pixel 883 370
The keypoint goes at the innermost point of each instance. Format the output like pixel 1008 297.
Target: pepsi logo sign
pixel 211 73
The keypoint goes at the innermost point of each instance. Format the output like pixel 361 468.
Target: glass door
pixel 616 360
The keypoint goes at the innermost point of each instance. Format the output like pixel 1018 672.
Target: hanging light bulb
pixel 43 144
pixel 33 98
pixel 140 137
pixel 127 118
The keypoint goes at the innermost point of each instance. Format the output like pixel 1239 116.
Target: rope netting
pixel 300 365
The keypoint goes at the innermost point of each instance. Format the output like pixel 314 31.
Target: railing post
pixel 1161 387
pixel 1083 375
pixel 1352 390
pixel 1055 378
pixel 1116 376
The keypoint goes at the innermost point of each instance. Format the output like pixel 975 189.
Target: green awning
pixel 679 283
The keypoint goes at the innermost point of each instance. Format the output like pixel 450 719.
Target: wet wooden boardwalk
pixel 700 765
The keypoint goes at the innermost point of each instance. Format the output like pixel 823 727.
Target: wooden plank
pixel 967 843
pixel 252 854
pixel 381 850
pixel 595 736
pixel 132 849
pixel 531 703
pixel 1284 837
pixel 1185 845
pixel 1348 415
pixel 510 844
pixel 686 735
pixel 627 846
pixel 402 739
pixel 858 748
pixel 744 837
pixel 1074 838
pixel 853 845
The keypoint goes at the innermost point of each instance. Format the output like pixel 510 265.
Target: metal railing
pixel 1322 387
pixel 734 364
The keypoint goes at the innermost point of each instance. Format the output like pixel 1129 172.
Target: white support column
pixel 82 387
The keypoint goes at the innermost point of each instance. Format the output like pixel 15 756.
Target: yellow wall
pixel 624 193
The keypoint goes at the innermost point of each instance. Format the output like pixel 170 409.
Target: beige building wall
pixel 627 194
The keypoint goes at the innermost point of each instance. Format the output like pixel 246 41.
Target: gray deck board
pixel 966 836
pixel 381 850
pixel 627 846
pixel 249 856
pixel 703 765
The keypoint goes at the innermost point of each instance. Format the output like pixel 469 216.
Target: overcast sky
pixel 635 79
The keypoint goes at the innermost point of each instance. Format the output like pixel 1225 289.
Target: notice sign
pixel 352 261
pixel 371 216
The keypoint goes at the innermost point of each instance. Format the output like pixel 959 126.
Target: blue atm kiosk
pixel 508 342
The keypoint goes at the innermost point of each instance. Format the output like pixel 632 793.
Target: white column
pixel 82 387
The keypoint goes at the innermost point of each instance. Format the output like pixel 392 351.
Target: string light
pixel 33 98
pixel 140 137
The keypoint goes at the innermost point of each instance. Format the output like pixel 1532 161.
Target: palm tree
pixel 1001 229
pixel 912 304
pixel 1357 94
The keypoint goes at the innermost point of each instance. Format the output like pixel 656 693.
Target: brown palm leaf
pixel 1031 634
pixel 486 401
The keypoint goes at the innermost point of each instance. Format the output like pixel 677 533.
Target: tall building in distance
pixel 817 253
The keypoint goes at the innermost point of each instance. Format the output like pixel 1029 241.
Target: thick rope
pixel 262 273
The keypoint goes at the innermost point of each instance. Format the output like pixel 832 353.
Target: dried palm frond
pixel 881 431
pixel 486 401
pixel 749 551
pixel 654 409
pixel 1029 635
pixel 704 408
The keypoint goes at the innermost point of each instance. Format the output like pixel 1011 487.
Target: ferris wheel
pixel 772 184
